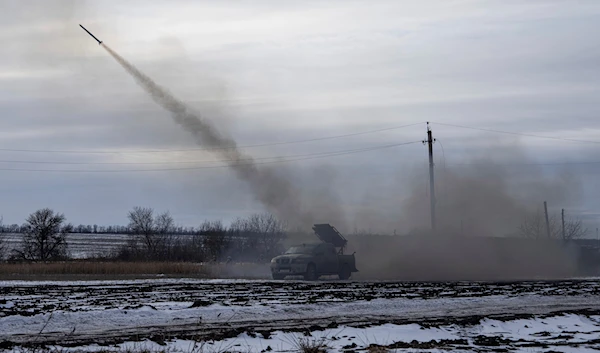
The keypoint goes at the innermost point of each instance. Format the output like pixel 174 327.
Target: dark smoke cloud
pixel 480 206
pixel 447 257
pixel 489 194
pixel 483 199
pixel 487 198
pixel 276 193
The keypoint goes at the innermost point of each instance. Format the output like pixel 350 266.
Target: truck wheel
pixel 311 272
pixel 345 272
pixel 278 276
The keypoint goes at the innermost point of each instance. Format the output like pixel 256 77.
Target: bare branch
pixel 574 229
pixel 154 233
pixel 534 226
pixel 45 236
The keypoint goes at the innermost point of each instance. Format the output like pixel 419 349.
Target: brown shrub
pixel 101 268
pixel 116 269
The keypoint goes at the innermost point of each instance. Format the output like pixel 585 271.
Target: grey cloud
pixel 292 71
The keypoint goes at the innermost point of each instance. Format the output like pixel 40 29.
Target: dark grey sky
pixel 269 71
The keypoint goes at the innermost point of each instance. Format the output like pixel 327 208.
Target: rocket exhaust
pixel 274 191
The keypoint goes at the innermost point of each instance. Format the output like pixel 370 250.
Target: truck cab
pixel 314 260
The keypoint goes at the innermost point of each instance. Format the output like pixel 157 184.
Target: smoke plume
pixel 491 198
pixel 276 193
pixel 481 206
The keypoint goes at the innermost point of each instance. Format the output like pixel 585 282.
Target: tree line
pixel 153 236
pixel 94 229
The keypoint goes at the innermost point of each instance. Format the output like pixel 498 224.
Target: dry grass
pixel 136 349
pixel 312 346
pixel 109 269
pixel 309 345
pixel 375 348
pixel 101 268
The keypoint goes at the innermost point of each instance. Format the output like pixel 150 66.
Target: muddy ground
pixel 109 312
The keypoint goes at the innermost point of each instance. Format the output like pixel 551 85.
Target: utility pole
pixel 562 216
pixel 547 221
pixel 430 141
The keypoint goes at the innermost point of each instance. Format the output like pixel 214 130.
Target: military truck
pixel 313 260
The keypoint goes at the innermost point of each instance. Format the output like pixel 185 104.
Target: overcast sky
pixel 281 71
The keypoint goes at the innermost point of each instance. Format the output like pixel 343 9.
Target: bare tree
pixel 45 236
pixel 214 239
pixel 574 229
pixel 270 231
pixel 165 229
pixel 534 226
pixel 263 233
pixel 153 233
pixel 246 242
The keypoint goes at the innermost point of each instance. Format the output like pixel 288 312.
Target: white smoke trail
pixel 276 193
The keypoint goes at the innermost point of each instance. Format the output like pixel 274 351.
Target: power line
pixel 531 164
pixel 250 159
pixel 249 164
pixel 443 152
pixel 211 148
pixel 518 133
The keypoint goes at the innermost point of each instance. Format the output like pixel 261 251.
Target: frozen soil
pixel 453 315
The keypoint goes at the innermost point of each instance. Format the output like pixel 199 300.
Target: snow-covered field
pixel 242 315
pixel 559 333
pixel 81 245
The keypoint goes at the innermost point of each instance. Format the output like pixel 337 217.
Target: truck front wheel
pixel 311 272
pixel 345 272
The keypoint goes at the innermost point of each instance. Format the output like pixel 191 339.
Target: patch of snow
pixel 163 315
pixel 7 304
pixel 347 337
pixel 538 328
pixel 130 307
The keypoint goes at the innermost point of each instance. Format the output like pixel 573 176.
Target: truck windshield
pixel 302 249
